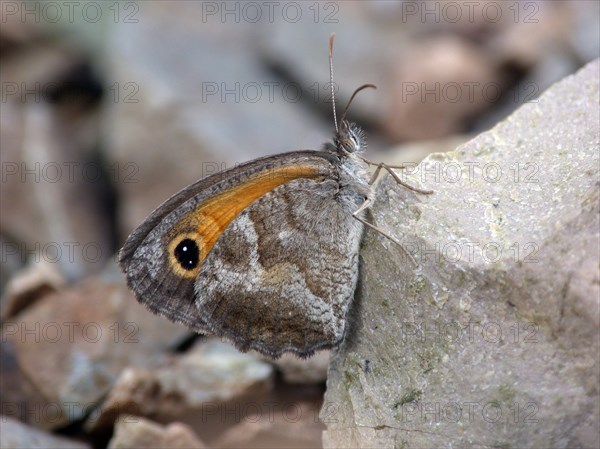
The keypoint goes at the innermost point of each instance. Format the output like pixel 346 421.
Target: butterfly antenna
pixel 364 86
pixel 331 80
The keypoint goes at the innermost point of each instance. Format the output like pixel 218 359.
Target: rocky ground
pixel 101 120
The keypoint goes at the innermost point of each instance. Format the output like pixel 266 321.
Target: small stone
pixel 28 286
pixel 140 433
pixel 196 388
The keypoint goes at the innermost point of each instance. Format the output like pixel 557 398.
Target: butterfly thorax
pixel 353 176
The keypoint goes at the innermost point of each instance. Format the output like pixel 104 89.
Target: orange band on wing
pixel 218 212
pixel 212 217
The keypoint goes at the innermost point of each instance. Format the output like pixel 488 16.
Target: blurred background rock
pixel 109 108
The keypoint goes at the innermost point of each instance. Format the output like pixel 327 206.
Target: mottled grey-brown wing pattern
pixel 144 257
pixel 281 277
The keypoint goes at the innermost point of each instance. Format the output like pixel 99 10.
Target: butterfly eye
pixel 349 143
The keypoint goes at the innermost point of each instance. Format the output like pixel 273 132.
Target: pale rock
pixel 493 340
pixel 140 433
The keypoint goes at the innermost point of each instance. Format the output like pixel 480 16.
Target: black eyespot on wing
pixel 187 254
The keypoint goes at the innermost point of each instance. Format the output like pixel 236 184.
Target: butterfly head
pixel 350 138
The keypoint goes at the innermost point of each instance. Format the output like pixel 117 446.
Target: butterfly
pixel 264 254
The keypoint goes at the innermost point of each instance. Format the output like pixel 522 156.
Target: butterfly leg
pixel 396 167
pixel 375 174
pixel 368 202
pixel 402 183
pixel 389 169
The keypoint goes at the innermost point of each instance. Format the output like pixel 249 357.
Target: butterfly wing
pixel 282 275
pixel 195 218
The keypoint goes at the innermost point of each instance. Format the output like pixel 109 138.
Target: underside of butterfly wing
pixel 282 276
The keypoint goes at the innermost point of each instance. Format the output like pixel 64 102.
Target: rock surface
pixel 290 425
pixel 16 435
pixel 200 388
pixel 28 286
pixel 493 340
pixel 61 355
pixel 139 433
